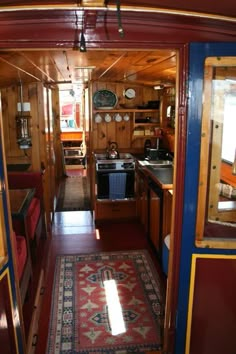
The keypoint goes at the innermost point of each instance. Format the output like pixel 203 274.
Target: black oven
pixel 115 178
pixel 105 190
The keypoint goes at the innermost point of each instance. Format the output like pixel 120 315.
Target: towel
pixel 117 185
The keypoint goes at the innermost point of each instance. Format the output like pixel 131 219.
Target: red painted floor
pixel 72 233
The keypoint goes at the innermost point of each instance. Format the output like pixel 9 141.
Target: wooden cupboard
pixel 142 198
pixel 115 209
pixel 167 212
pixel 155 220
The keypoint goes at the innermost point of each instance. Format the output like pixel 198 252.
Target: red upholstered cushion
pixel 32 217
pixel 21 252
pixel 21 180
pixel 18 180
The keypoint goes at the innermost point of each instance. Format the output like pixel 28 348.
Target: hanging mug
pixel 98 118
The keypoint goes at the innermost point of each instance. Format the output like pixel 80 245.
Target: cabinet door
pixel 155 220
pixel 142 200
pixel 167 213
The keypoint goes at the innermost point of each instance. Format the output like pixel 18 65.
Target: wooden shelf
pixel 135 137
pixel 151 124
pixel 124 110
pixel 72 151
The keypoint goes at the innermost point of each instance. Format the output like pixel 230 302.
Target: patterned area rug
pixel 73 194
pixel 82 314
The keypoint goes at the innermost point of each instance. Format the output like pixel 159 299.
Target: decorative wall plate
pixel 104 99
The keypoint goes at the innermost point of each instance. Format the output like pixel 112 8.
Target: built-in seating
pixel 23 264
pixel 35 213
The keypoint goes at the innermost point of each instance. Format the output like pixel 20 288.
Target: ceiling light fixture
pixel 79 43
pixel 120 28
pixel 82 43
pixel 76 40
pixel 158 87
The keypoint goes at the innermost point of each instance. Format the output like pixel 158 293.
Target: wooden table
pixel 20 200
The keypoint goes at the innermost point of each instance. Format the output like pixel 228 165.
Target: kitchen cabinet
pixel 155 216
pixel 115 209
pixel 154 219
pixel 142 198
pixel 167 212
pixel 154 202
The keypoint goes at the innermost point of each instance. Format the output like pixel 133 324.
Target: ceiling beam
pixel 92 3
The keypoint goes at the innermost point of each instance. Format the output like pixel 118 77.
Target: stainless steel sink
pixel 161 166
pixel 160 162
pixel 157 163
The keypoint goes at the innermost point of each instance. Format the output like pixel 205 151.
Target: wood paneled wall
pixel 10 97
pixel 120 132
pixel 45 154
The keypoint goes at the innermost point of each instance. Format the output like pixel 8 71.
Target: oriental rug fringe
pixel 81 314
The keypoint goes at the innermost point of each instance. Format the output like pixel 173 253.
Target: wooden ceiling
pixel 70 66
pixel 226 7
pixel 37 38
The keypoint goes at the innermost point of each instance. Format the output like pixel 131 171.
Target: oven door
pixel 115 184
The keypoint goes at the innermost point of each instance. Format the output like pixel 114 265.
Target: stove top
pixel 122 156
pixel 124 162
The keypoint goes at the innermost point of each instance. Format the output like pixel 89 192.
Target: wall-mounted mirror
pixel 216 213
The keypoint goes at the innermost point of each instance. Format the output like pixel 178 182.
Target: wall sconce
pixel 23 126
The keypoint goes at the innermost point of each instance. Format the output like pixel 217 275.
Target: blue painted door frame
pixel 197 54
pixel 9 264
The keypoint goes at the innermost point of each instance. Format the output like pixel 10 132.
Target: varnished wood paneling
pixel 121 132
pixel 10 97
pixel 66 67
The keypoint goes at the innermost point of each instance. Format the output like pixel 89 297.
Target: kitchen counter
pixel 162 176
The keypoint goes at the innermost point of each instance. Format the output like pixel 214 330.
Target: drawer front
pixel 115 210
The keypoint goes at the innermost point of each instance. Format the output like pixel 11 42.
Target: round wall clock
pixel 129 93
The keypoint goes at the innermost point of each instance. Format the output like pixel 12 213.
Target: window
pixel 216 212
pixel 70 116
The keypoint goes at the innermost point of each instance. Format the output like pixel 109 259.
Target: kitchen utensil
pixel 107 118
pixel 147 147
pixel 118 117
pixel 112 151
pixel 98 118
pixel 153 154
